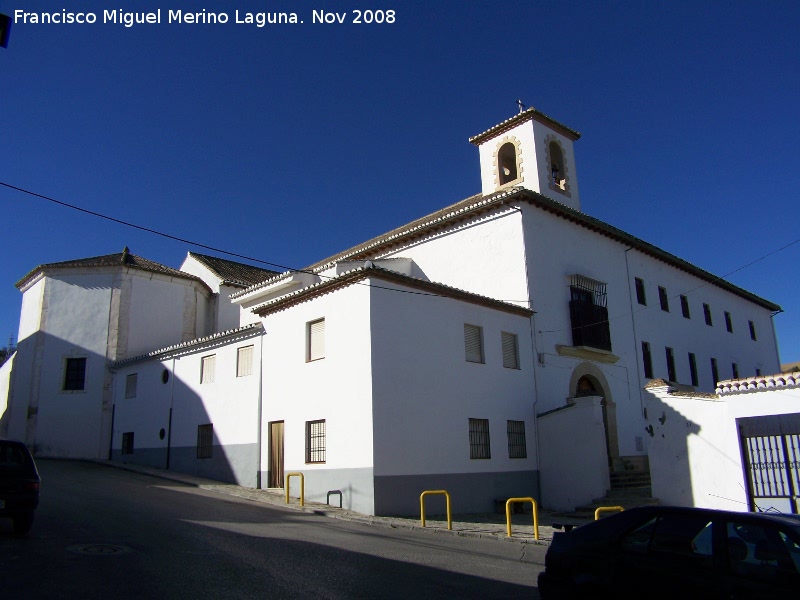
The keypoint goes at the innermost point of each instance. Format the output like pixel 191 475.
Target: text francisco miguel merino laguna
pixel 129 19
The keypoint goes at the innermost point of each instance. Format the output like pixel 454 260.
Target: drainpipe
pixel 171 403
pixel 260 405
pixel 635 337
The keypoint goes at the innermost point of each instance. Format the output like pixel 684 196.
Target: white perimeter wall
pixel 695 458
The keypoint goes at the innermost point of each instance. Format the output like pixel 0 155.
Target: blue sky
pixel 288 143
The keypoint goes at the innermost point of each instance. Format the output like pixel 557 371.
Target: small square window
pixel 479 439
pixel 641 297
pixel 244 361
pixel 707 314
pixel 663 298
pixel 207 368
pixel 647 360
pixel 473 343
pixel 315 441
pixel 517 446
pixel 728 322
pixel 510 350
pixel 75 374
pixel 752 330
pixel 205 440
pixel 315 340
pixel 127 442
pixel 130 385
pixel 685 307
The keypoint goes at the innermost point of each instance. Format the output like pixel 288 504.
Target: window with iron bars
pixel 315 441
pixel 517 447
pixel 205 440
pixel 588 313
pixel 127 442
pixel 479 439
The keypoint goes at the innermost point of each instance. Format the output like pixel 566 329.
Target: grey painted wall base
pixel 469 492
pixel 356 486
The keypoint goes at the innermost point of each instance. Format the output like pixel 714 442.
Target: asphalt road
pixel 106 533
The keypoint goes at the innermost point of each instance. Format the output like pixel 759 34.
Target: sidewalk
pixel 481 526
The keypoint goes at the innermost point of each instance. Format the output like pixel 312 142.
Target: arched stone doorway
pixel 588 380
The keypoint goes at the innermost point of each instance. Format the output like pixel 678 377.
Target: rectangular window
pixel 685 307
pixel 207 367
pixel 714 371
pixel 315 441
pixel 473 343
pixel 510 350
pixel 244 361
pixel 728 322
pixel 127 442
pixel 588 313
pixel 205 440
pixel 479 438
pixel 735 370
pixel 752 330
pixel 693 369
pixel 75 374
pixel 707 314
pixel 647 360
pixel 663 299
pixel 641 297
pixel 517 447
pixel 130 385
pixel 315 340
pixel 671 376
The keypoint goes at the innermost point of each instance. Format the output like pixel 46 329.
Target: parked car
pixel 675 552
pixel 19 485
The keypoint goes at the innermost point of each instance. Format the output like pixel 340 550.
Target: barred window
pixel 127 442
pixel 510 350
pixel 244 361
pixel 130 385
pixel 517 447
pixel 473 343
pixel 207 368
pixel 479 438
pixel 588 313
pixel 315 441
pixel 75 374
pixel 205 440
pixel 315 340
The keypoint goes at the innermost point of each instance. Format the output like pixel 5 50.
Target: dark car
pixel 19 485
pixel 675 552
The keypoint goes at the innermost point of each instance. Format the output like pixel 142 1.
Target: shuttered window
pixel 473 343
pixel 510 350
pixel 316 340
pixel 207 367
pixel 130 385
pixel 244 361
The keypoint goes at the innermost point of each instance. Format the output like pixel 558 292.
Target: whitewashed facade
pixel 387 369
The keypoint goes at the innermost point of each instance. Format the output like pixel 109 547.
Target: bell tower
pixel 533 151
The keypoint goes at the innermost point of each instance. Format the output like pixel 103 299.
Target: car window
pixel 12 456
pixel 684 535
pixel 760 551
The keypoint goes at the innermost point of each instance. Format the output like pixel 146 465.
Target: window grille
pixel 244 361
pixel 517 447
pixel 205 440
pixel 315 441
pixel 75 374
pixel 588 313
pixel 207 368
pixel 130 385
pixel 479 438
pixel 473 343
pixel 127 442
pixel 510 350
pixel 316 340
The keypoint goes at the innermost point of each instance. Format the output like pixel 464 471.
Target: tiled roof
pixel 121 259
pixel 234 273
pixel 759 383
pixel 525 115
pixel 370 270
pixel 478 204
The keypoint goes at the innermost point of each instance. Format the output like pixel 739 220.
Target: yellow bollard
pixel 422 506
pixel 603 509
pixel 302 487
pixel 509 502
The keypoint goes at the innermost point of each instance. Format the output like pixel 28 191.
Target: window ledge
pixel 560 190
pixel 587 353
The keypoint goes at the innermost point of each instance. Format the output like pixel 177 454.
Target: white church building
pixel 498 347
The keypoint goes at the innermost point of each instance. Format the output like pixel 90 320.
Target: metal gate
pixel 770 448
